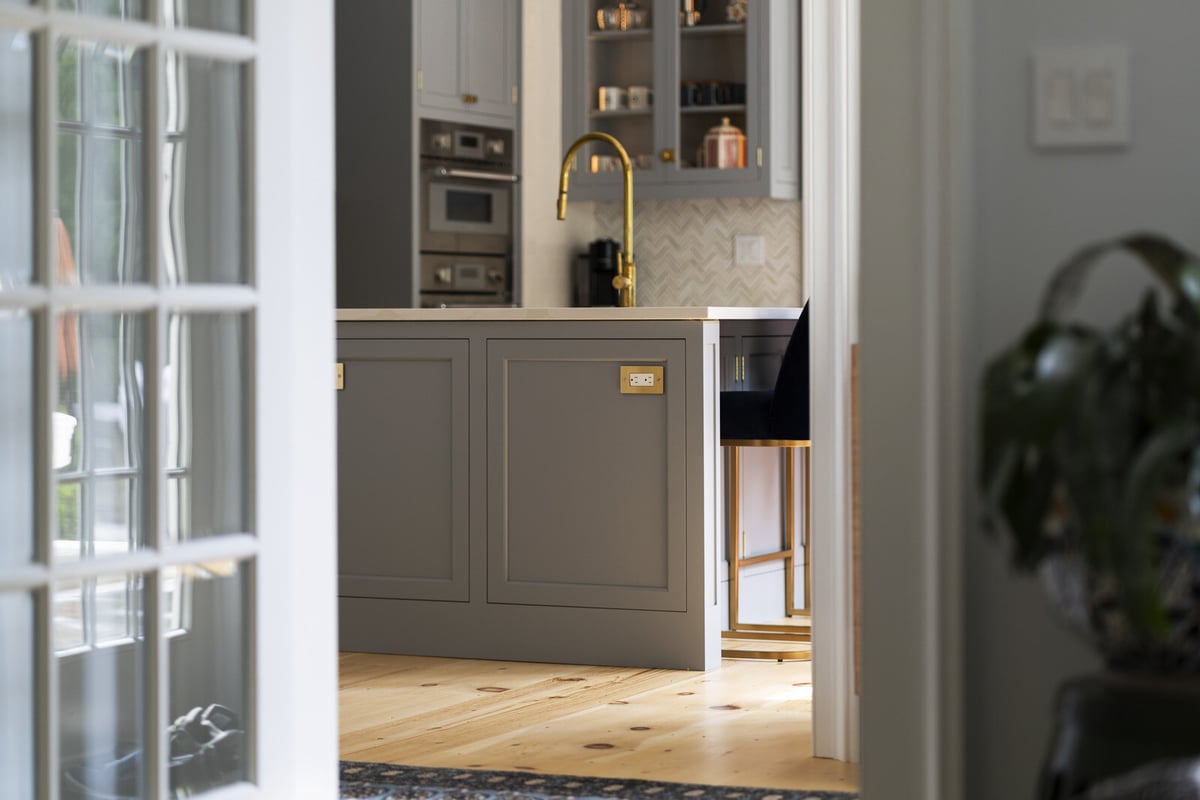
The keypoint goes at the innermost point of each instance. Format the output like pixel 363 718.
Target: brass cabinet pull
pixel 667 155
pixel 470 99
pixel 341 376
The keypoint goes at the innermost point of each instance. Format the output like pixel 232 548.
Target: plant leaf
pixel 1175 267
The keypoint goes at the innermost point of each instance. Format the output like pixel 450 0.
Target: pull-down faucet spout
pixel 625 280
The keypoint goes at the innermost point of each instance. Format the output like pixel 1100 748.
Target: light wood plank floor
pixel 748 723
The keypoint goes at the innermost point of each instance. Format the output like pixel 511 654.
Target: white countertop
pixel 642 313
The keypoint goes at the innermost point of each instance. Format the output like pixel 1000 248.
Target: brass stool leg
pixel 735 486
pixel 764 632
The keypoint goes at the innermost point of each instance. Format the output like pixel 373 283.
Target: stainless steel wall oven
pixel 466 215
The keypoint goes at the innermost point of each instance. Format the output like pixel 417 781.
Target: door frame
pixel 914 239
pixel 296 622
pixel 829 48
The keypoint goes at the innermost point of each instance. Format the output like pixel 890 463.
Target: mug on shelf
pixel 611 98
pixel 640 98
pixel 606 163
pixel 689 93
pixel 713 93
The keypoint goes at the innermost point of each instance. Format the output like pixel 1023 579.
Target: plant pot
pixel 1092 604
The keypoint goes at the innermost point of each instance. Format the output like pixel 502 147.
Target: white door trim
pixel 297 489
pixel 829 47
pixel 915 71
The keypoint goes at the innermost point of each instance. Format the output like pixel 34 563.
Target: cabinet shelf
pixel 620 112
pixel 724 29
pixel 620 36
pixel 725 109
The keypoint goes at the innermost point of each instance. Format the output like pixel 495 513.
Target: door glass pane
pixel 16 438
pixel 208 436
pixel 102 690
pixel 16 159
pixel 100 488
pixel 713 71
pixel 125 9
pixel 101 164
pixel 208 669
pixel 215 15
pixel 17 724
pixel 620 85
pixel 204 168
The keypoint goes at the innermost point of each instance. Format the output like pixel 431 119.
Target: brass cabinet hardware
pixel 667 155
pixel 341 376
pixel 420 80
pixel 515 94
pixel 760 156
pixel 470 99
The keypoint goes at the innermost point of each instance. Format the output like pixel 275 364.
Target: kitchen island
pixel 534 484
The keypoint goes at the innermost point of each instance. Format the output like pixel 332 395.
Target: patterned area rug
pixel 365 781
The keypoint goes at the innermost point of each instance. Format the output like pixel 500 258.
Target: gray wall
pixel 1031 209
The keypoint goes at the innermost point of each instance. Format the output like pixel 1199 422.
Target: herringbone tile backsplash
pixel 684 251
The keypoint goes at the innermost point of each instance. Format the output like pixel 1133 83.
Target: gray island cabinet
pixel 501 497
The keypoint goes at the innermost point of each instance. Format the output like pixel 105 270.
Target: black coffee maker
pixel 594 272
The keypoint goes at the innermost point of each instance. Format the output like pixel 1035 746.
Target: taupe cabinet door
pixel 403 481
pixel 586 485
pixel 466 51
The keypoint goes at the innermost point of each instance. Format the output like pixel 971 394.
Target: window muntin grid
pixel 135 587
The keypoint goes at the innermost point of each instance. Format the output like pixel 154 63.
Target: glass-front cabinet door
pixel 704 95
pixel 130 547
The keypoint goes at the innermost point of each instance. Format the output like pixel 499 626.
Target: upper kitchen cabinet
pixel 466 59
pixel 725 71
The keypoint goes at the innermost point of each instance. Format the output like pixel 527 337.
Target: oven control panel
pixel 456 142
pixel 448 273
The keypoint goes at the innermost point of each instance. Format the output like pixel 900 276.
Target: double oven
pixel 466 215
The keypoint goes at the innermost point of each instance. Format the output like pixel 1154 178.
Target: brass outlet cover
pixel 341 376
pixel 634 380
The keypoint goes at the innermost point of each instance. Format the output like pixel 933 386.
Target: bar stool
pixel 778 418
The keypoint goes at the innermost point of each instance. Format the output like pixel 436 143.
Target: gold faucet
pixel 625 281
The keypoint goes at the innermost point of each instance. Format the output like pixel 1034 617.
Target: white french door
pixel 166 320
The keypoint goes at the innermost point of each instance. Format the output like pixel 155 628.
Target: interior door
pixel 146 568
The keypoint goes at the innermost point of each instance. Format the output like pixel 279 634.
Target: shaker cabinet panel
pixel 467 56
pixel 438 52
pixel 586 485
pixel 724 120
pixel 752 353
pixel 403 481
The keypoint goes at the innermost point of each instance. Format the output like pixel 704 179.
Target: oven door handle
pixel 476 175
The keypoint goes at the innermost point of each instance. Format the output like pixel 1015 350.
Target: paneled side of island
pixel 501 497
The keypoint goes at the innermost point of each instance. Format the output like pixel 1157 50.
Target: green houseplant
pixel 1090 459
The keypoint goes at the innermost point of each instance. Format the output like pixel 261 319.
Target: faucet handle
pixel 621 282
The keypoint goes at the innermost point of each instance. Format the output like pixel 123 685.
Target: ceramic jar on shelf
pixel 724 147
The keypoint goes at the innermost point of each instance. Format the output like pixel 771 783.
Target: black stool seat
pixel 781 414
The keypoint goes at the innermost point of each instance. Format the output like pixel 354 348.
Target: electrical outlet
pixel 641 380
